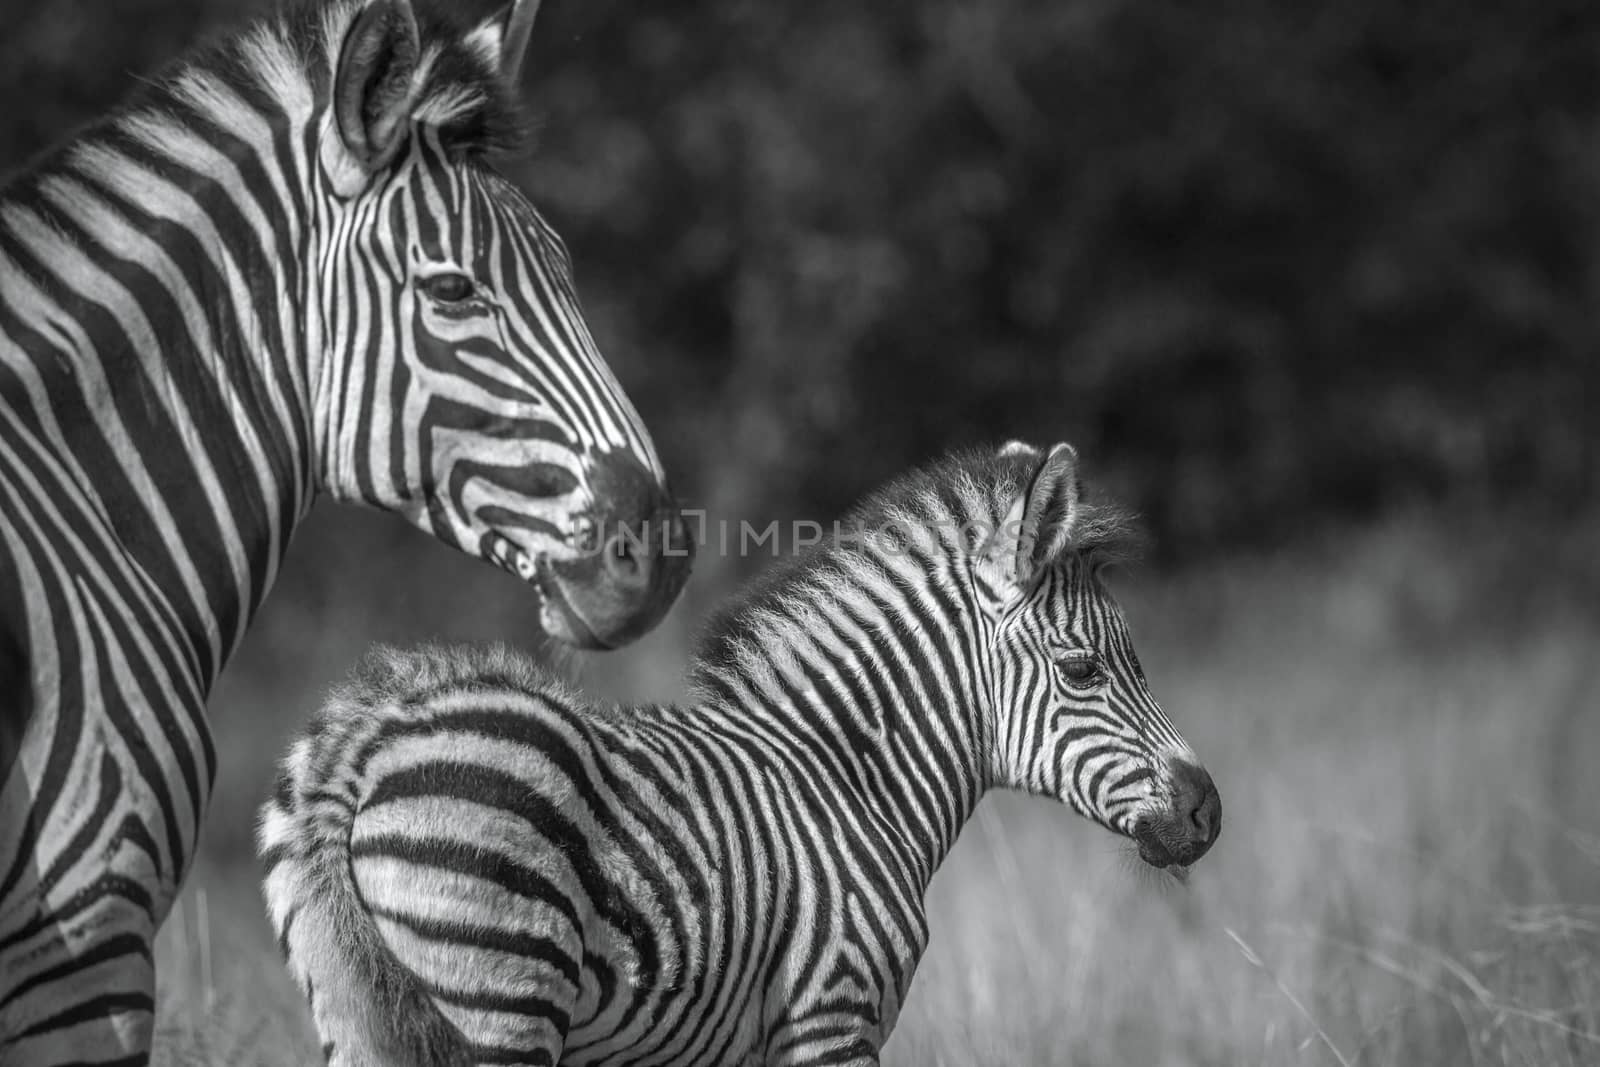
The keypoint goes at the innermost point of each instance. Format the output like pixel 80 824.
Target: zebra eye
pixel 448 288
pixel 1080 668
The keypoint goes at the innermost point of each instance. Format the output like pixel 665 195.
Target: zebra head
pixel 1074 717
pixel 459 385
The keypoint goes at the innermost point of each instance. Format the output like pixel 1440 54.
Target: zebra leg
pixel 81 989
pixel 825 1057
pixel 831 1051
pixel 78 979
pixel 470 984
pixel 502 969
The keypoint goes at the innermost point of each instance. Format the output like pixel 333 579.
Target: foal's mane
pixel 969 488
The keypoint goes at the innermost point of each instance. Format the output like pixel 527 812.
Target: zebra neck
pixel 150 345
pixel 871 714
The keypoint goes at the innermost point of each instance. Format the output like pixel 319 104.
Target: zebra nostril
pixel 678 532
pixel 625 560
pixel 1200 820
pixel 1206 818
pixel 1197 808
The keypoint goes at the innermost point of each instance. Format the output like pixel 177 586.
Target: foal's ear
pixel 1040 522
pixel 375 90
pixel 502 39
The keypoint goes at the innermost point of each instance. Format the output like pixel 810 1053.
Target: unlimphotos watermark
pixel 697 532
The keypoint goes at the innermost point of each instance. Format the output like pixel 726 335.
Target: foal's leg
pixel 790 1047
pixel 502 967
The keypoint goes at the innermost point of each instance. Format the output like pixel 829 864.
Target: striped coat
pixel 286 269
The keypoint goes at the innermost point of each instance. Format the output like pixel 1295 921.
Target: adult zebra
pixel 469 865
pixel 287 269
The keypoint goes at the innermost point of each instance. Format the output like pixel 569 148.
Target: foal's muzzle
pixel 1186 830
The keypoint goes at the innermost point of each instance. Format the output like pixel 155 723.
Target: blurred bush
pixel 1266 263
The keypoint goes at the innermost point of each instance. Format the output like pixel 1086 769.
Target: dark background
pixel 1266 263
pixel 1313 287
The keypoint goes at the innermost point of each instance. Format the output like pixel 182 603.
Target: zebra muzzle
pixel 1186 830
pixel 618 584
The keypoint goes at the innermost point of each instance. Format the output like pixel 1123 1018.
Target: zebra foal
pixel 468 864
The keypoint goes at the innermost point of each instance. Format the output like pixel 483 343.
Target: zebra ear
pixel 502 39
pixel 1041 521
pixel 374 91
pixel 1018 448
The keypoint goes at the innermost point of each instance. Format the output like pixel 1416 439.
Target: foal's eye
pixel 1079 667
pixel 449 288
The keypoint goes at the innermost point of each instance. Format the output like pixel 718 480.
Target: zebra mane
pixel 969 490
pixel 287 58
pixel 386 674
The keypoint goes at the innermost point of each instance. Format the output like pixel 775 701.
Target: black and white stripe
pixel 214 304
pixel 469 864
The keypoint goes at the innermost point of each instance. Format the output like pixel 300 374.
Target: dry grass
pixel 1402 727
pixel 223 998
